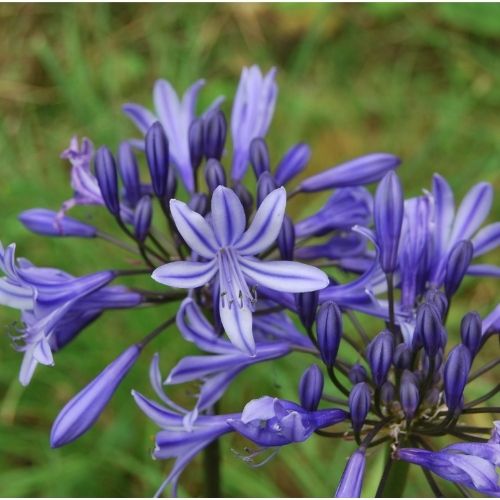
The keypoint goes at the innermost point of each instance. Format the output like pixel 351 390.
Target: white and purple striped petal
pixel 185 273
pixel 228 216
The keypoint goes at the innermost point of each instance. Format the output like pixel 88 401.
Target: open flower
pixel 227 250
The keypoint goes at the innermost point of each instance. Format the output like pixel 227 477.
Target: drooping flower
pixel 228 249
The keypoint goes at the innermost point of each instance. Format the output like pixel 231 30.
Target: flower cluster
pixel 252 285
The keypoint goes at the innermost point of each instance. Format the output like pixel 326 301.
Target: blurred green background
pixel 421 81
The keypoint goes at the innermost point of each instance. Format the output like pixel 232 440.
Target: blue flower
pixel 227 250
pixel 352 477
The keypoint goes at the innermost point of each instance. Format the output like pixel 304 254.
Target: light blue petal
pixel 228 216
pixel 185 273
pixel 141 116
pixel 237 323
pixel 487 239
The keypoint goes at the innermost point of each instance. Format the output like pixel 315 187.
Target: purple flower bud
pixel 47 223
pixel 432 397
pixel 286 239
pixel 214 174
pixel 387 393
pixel 471 331
pixel 329 331
pixel 388 215
pixel 357 373
pixel 105 172
pixel 265 185
pixel 438 300
pixel 199 203
pixel 81 412
pixel 379 352
pixel 403 355
pixel 362 170
pixel 196 146
pixel 142 218
pixel 215 135
pixel 456 372
pixel 259 156
pixel 429 329
pixel 245 197
pixel 294 161
pixel 129 171
pixel 359 404
pixel 311 388
pixel 157 152
pixel 307 304
pixel 409 394
pixel 351 481
pixel 456 267
pixel 171 185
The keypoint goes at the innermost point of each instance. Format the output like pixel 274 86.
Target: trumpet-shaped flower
pixel 228 250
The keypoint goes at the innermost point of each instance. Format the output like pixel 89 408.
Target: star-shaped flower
pixel 227 251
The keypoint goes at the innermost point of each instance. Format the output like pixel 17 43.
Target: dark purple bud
pixel 388 215
pixel 142 218
pixel 259 156
pixel 359 404
pixel 199 203
pixel 307 304
pixel 380 351
pixel 129 171
pixel 245 197
pixel 157 152
pixel 214 175
pixel 357 373
pixel 456 372
pixel 171 185
pixel 82 411
pixel 435 364
pixel 329 331
pixel 107 178
pixel 429 329
pixel 387 393
pixel 471 331
pixel 409 394
pixel 286 239
pixel 403 355
pixel 47 223
pixel 294 161
pixel 456 267
pixel 215 129
pixel 362 170
pixel 438 300
pixel 196 146
pixel 265 185
pixel 311 388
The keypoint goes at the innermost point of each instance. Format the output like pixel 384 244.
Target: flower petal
pixel 487 239
pixel 285 276
pixel 185 273
pixel 195 230
pixel 266 224
pixel 142 117
pixel 444 211
pixel 228 216
pixel 237 323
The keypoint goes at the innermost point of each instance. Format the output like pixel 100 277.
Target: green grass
pixel 421 81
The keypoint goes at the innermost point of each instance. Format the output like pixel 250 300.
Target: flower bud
pixel 199 203
pixel 245 197
pixel 380 351
pixel 388 215
pixel 214 174
pixel 171 185
pixel 294 161
pixel 456 372
pixel 265 185
pixel 409 394
pixel 142 218
pixel 157 156
pixel 129 171
pixel 359 404
pixel 351 481
pixel 432 397
pixel 438 300
pixel 48 223
pixel 286 239
pixel 403 355
pixel 456 267
pixel 215 130
pixel 82 411
pixel 196 146
pixel 259 156
pixel 387 393
pixel 311 388
pixel 429 329
pixel 471 332
pixel 105 172
pixel 329 331
pixel 307 304
pixel 357 373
